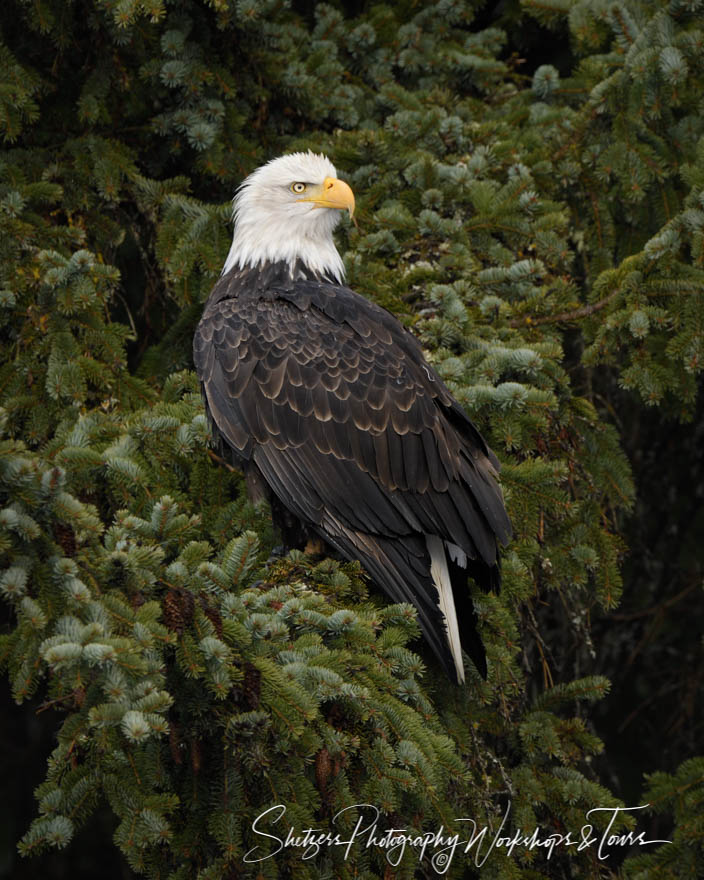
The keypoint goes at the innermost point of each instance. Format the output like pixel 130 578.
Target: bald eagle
pixel 326 403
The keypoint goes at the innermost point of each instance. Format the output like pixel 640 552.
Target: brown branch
pixel 221 461
pixel 575 315
pixel 77 695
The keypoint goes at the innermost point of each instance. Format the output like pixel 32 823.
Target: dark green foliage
pixel 527 227
pixel 682 794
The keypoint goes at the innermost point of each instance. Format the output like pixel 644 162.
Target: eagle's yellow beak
pixel 333 193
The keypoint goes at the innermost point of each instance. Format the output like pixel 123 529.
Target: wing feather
pixel 353 431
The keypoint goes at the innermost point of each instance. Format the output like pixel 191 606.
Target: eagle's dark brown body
pixel 324 398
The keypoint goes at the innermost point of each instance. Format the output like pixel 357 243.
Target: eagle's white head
pixel 287 211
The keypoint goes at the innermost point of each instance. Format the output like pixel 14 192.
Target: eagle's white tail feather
pixel 457 554
pixel 441 579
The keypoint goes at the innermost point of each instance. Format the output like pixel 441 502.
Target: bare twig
pixel 563 317
pixel 221 461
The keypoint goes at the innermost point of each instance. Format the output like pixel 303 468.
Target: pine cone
pixel 212 614
pixel 177 610
pixel 323 768
pixel 171 612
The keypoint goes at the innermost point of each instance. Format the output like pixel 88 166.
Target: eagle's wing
pixel 354 432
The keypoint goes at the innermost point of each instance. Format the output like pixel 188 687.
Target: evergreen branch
pixel 218 459
pixel 566 317
pixel 455 187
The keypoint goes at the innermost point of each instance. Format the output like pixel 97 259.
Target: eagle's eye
pixel 298 188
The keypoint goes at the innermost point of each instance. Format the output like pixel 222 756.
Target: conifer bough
pixel 327 404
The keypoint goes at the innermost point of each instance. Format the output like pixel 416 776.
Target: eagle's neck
pixel 252 283
pixel 309 247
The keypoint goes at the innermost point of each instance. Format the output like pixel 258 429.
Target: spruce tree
pixel 539 229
